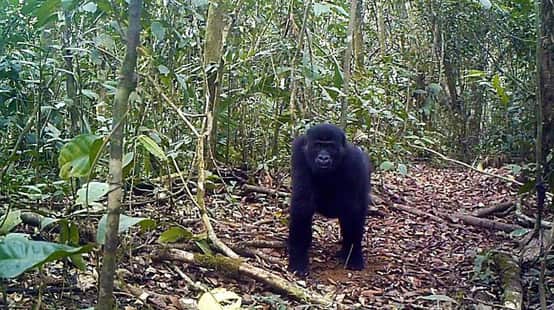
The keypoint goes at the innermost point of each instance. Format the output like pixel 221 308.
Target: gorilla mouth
pixel 324 166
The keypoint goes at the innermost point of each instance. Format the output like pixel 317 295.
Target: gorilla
pixel 330 176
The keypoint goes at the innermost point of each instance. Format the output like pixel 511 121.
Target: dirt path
pixel 408 257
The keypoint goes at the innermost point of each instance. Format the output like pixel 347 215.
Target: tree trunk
pixel 346 64
pixel 70 83
pixel 127 84
pixel 216 34
pixel 358 39
pixel 545 59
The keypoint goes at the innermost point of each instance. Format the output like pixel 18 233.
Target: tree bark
pixel 346 64
pixel 127 84
pixel 216 33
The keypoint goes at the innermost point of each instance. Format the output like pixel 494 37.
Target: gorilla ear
pixel 343 139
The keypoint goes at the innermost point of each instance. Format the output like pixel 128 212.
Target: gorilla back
pixel 332 177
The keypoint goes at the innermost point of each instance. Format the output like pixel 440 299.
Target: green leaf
pixel 96 191
pixel 152 147
pixel 76 156
pixel 321 8
pixel 163 69
pixel 125 222
pixel 45 221
pixel 89 7
pixel 174 234
pixel 46 12
pixel 9 221
pixel 500 91
pixel 105 41
pixel 158 30
pixel 519 232
pixel 386 165
pixel 204 246
pixel 403 169
pixel 516 169
pixel 486 4
pixel 19 254
pixel 528 187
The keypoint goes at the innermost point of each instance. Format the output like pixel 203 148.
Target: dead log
pixel 509 272
pixel 467 219
pixel 484 223
pixel 237 268
pixel 501 207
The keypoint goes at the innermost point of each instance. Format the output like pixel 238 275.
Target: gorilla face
pixel 324 148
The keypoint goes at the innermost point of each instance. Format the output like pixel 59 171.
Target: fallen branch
pixel 237 267
pixel 416 212
pixel 264 190
pixel 467 219
pixel 263 244
pixel 529 221
pixel 484 223
pixel 501 207
pixel 511 285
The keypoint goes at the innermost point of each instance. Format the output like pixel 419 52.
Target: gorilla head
pixel 325 148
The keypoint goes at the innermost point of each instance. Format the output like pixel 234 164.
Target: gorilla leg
pixel 300 239
pixel 352 228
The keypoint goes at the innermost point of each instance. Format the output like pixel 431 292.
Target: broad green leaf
pixel 386 165
pixel 516 169
pixel 19 254
pixel 321 8
pixel 89 7
pixel 163 69
pixel 500 91
pixel 199 3
pixel 125 222
pixel 403 169
pixel 519 232
pixel 219 298
pixel 45 221
pixel 175 234
pixel 486 4
pixel 96 191
pixel 152 147
pixel 9 221
pixel 158 30
pixel 105 41
pixel 76 156
pixel 46 12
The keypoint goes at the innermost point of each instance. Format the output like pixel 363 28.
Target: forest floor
pixel 413 261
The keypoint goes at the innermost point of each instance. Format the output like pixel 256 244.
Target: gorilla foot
pixel 300 272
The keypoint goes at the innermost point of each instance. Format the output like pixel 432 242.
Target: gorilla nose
pixel 323 159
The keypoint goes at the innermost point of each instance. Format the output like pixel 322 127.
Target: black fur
pixel 331 177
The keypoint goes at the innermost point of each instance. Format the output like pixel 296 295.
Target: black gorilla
pixel 332 177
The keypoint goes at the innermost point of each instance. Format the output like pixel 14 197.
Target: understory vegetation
pixel 149 141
